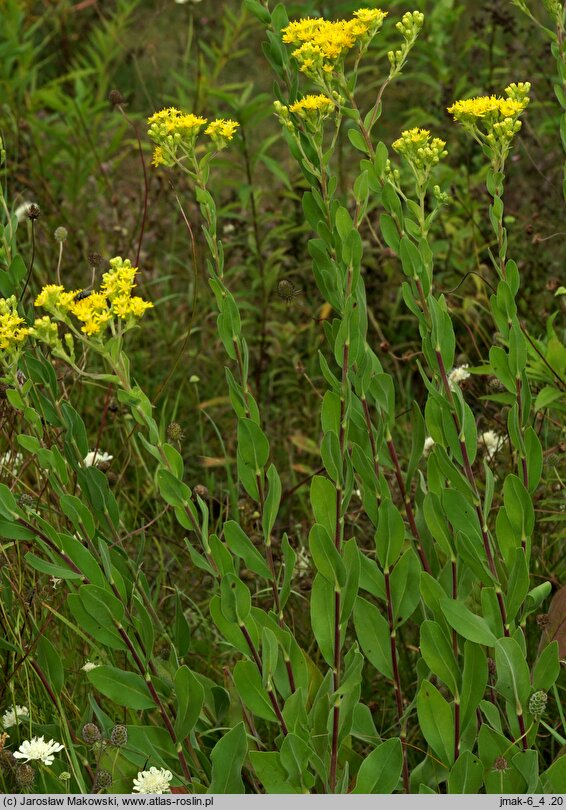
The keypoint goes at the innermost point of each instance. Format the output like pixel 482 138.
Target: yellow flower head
pixel 171 129
pixel 370 16
pixel 12 333
pixel 221 131
pixel 322 44
pixel 419 149
pixel 55 299
pixel 494 120
pixel 320 105
pixel 119 280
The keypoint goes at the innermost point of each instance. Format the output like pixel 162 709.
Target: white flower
pixel 21 211
pixel 492 442
pixel 37 748
pixel 96 458
pixel 458 375
pixel 156 780
pixel 428 445
pixel 88 666
pixel 55 581
pixel 12 716
pixel 10 459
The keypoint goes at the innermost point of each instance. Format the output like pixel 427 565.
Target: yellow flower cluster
pixel 95 310
pixel 171 129
pixel 322 44
pixel 486 106
pixel 494 120
pixel 222 128
pixel 320 105
pixel 419 149
pixel 12 333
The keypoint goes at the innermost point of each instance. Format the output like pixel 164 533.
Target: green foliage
pixel 331 576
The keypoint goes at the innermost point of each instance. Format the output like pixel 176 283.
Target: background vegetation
pixel 86 163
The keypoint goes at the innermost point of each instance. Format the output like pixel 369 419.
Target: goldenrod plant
pixel 378 636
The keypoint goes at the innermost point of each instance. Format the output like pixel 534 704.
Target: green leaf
pixel 405 579
pixel 325 555
pixel 289 559
pixel 227 758
pixel 438 654
pixel 49 568
pixel 322 616
pixel 513 678
pixel 546 397
pixel 390 535
pixel 251 690
pixel 357 140
pixel 270 772
pixel 547 667
pixel 474 681
pixel 190 699
pixel 238 542
pixel 436 721
pixel 373 635
pixel 323 500
pixel 236 601
pixel 124 688
pixel 466 623
pixel 555 776
pixel 253 446
pixel 380 771
pixel 51 663
pixel 466 775
pixel 272 501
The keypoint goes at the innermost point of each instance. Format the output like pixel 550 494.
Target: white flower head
pixel 88 666
pixel 12 716
pixel 458 375
pixel 95 458
pixel 11 459
pixel 492 442
pixel 37 748
pixel 156 780
pixel 21 211
pixel 428 445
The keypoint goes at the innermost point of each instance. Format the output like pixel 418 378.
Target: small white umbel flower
pixel 95 458
pixel 38 749
pixel 156 780
pixel 12 717
pixel 492 442
pixel 458 375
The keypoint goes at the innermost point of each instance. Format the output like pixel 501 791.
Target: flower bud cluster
pixel 409 27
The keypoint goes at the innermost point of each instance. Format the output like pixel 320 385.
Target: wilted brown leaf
pixel 556 623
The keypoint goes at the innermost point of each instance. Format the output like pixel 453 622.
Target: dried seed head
pixel 116 98
pixel 201 491
pixel 91 733
pixel 543 620
pixel 33 211
pixel 119 735
pixel 24 774
pixel 537 704
pixel 94 259
pixel 103 780
pixel 495 385
pixel 7 761
pixel 175 432
pixel 60 234
pixel 500 764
